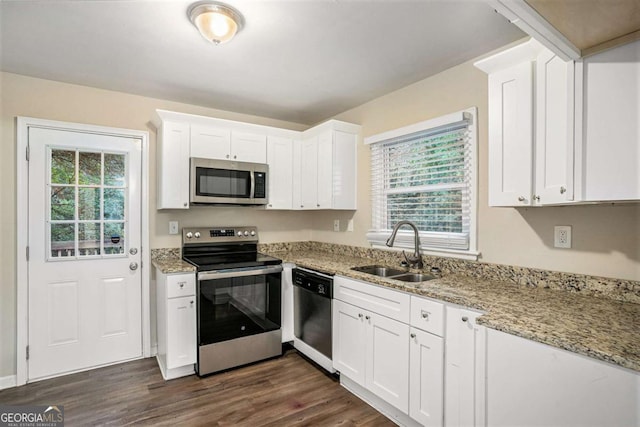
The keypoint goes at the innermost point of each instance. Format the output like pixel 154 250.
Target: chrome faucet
pixel 414 260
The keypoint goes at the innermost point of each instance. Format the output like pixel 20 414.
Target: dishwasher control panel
pixel 317 283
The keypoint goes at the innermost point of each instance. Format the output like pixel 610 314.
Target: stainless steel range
pixel 239 297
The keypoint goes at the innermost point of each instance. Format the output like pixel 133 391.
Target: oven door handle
pixel 225 274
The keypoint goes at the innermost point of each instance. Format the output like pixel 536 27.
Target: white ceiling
pixel 301 61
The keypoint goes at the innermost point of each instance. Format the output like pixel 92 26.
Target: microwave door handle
pixel 252 192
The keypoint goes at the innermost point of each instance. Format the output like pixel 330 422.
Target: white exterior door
pixel 85 287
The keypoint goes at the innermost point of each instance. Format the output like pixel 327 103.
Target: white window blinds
pixel 426 175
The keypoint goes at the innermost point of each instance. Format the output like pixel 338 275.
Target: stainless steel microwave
pixel 227 182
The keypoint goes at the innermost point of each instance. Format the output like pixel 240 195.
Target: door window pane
pixel 63 238
pixel 114 170
pixel 89 203
pixel 114 239
pixel 89 238
pixel 63 167
pixel 63 203
pixel 90 165
pixel 113 203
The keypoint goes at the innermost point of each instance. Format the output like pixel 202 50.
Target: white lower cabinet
pixel 529 383
pixel 396 364
pixel 426 382
pixel 464 369
pixel 372 351
pixel 176 324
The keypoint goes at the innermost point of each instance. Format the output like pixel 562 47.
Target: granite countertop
pixel 601 328
pixel 173 265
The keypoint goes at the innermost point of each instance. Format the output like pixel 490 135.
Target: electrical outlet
pixel 562 236
pixel 350 225
pixel 173 227
pixel 336 225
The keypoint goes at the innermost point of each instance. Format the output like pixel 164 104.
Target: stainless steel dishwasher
pixel 312 295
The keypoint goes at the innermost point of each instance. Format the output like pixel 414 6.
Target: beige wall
pixel 606 238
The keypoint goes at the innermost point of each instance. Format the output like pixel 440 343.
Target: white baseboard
pixel 7 382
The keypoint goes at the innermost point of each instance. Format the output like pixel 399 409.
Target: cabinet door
pixel 387 367
pixel 181 332
pixel 248 147
pixel 511 136
pixel 610 151
pixel 554 129
pixel 309 174
pixel 345 170
pixel 173 166
pixel 529 384
pixel 210 142
pixel 325 170
pixel 426 384
pixel 280 178
pixel 464 397
pixel 349 345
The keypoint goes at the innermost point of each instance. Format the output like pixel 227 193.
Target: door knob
pixel 133 266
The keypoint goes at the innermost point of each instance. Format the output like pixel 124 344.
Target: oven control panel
pixel 220 234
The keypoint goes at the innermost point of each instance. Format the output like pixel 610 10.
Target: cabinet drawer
pixel 181 285
pixel 427 315
pixel 387 302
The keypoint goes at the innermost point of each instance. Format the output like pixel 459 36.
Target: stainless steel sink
pixel 413 277
pixel 393 273
pixel 379 270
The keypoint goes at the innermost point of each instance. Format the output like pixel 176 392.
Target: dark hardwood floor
pixel 287 391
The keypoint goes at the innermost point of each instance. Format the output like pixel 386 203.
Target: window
pixel 426 173
pixel 86 208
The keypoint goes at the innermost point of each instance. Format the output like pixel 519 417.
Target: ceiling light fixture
pixel 217 22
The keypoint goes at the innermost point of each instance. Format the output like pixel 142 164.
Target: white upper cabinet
pixel 210 142
pixel 327 167
pixel 172 154
pixel 530 126
pixel 280 180
pixel 314 169
pixel 248 147
pixel 608 121
pixel 554 147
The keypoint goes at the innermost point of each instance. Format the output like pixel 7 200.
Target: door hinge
pixel 27 352
pixel 27 253
pixel 27 156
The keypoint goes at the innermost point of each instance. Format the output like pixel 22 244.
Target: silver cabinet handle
pixel 302 206
pixel 133 251
pixel 425 314
pixel 235 157
pixel 521 199
pixel 367 317
pixel 465 318
pixel 191 302
pixel 133 266
pixel 360 315
pixel 318 205
pixel 563 190
pixel 227 156
pixel 182 284
pixel 185 204
pixel 537 198
pixel 413 335
pixel 270 205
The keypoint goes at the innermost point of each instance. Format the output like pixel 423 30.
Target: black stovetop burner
pixel 210 249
